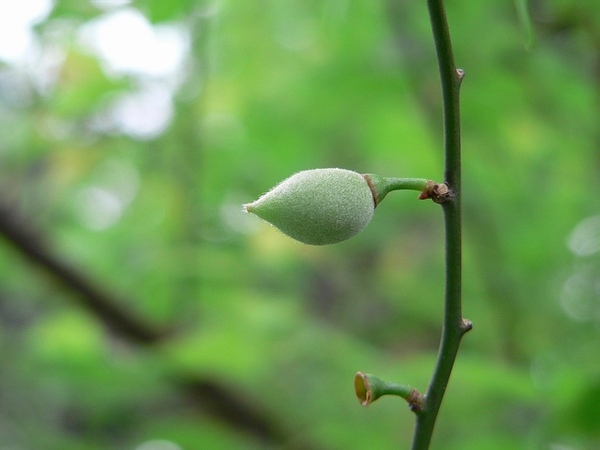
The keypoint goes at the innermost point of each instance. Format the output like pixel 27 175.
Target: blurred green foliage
pixel 137 180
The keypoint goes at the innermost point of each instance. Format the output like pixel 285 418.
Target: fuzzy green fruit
pixel 319 206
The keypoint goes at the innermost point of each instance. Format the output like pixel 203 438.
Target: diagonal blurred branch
pixel 104 305
pixel 210 396
pixel 241 412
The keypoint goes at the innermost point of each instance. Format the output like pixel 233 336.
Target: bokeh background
pixel 141 309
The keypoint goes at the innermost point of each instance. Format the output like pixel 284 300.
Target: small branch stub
pixel 369 388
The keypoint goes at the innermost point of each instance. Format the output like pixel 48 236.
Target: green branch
pixel 454 325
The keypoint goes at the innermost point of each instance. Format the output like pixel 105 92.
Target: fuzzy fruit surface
pixel 319 206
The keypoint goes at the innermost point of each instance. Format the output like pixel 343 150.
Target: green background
pixel 260 323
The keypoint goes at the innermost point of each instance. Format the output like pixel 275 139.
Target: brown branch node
pixel 416 401
pixel 437 192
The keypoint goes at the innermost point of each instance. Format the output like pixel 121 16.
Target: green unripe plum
pixel 319 206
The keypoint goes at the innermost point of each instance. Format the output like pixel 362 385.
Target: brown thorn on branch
pixel 466 325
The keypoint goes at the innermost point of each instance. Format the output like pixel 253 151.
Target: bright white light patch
pixel 128 43
pixel 144 115
pixel 580 297
pixel 102 205
pixel 585 238
pixel 99 208
pixel 16 20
